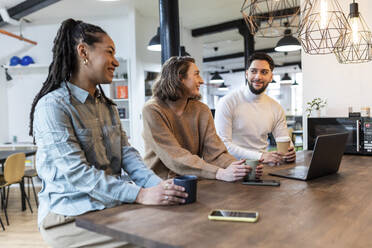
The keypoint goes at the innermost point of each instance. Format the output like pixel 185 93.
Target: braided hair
pixel 65 61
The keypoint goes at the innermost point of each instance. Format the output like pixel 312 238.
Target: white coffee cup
pixel 282 144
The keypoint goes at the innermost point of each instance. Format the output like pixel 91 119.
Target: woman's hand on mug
pixel 165 193
pixel 235 171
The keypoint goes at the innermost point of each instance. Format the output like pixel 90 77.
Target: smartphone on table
pixel 233 215
pixel 262 183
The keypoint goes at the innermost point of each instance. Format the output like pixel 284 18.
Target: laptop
pixel 325 159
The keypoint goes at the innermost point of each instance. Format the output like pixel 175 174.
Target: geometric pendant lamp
pixel 358 40
pixel 322 27
pixel 269 18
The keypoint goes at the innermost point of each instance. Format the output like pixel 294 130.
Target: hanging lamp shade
pixel 7 75
pixel 223 86
pixel 357 42
pixel 267 18
pixel 288 43
pixel 184 52
pixel 322 26
pixel 295 83
pixel 154 44
pixel 286 77
pixel 273 81
pixel 216 78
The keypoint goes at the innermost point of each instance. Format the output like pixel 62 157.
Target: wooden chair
pixel 14 170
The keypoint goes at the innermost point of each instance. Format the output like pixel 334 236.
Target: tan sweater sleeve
pixel 159 137
pixel 214 150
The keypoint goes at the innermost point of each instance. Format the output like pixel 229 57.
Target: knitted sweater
pixel 243 121
pixel 186 144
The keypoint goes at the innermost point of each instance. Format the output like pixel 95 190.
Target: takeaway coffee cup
pixel 282 144
pixel 189 182
pixel 252 174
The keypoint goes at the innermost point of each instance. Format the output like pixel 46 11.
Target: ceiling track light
pixel 357 43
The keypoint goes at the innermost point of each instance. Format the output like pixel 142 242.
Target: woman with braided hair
pixel 84 159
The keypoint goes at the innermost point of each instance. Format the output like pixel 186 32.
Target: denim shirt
pixel 82 150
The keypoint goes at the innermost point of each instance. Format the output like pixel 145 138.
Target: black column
pixel 248 43
pixel 169 29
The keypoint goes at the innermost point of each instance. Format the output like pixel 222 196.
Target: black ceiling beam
pixel 225 26
pixel 235 55
pixel 299 63
pixel 27 7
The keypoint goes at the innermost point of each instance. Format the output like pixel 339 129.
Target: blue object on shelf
pixel 26 60
pixel 15 60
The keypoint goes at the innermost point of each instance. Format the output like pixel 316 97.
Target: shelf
pixel 124 120
pixel 30 66
pixel 120 99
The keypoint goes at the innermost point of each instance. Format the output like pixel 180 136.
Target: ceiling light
pixel 184 52
pixel 154 44
pixel 288 43
pixel 286 77
pixel 223 87
pixel 8 77
pixel 267 18
pixel 216 78
pixel 357 42
pixel 322 26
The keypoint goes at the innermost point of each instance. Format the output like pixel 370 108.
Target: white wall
pixel 17 95
pixel 342 85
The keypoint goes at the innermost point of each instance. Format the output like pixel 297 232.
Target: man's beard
pixel 257 92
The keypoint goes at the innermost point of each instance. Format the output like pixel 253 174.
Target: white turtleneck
pixel 244 120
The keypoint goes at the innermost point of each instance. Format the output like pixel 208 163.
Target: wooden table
pixel 4 154
pixel 332 211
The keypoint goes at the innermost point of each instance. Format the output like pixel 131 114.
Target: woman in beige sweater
pixel 179 133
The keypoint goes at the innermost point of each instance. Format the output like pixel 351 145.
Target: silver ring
pixel 166 197
pixel 166 186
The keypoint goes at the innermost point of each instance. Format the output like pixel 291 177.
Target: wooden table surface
pixel 332 211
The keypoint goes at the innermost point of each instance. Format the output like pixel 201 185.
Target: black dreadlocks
pixel 64 63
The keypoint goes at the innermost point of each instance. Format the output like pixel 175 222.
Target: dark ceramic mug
pixel 189 182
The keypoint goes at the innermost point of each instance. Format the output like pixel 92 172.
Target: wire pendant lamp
pixel 323 25
pixel 357 42
pixel 268 18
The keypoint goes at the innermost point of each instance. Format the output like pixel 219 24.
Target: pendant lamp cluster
pixel 324 29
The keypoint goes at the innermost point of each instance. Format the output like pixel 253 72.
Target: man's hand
pixel 165 193
pixel 236 171
pixel 271 157
pixel 290 156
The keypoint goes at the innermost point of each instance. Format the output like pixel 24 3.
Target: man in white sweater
pixel 244 118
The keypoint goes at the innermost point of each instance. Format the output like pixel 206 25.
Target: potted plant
pixel 314 107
